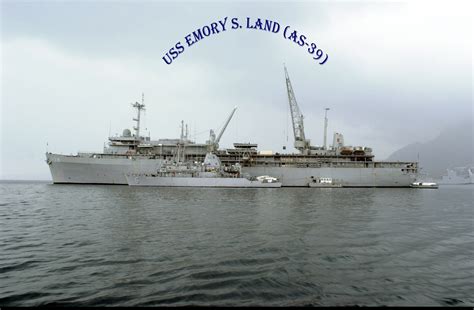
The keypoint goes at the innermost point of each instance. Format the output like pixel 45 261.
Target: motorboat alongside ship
pixel 131 153
pixel 432 185
pixel 323 183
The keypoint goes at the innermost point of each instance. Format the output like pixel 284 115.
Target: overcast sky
pixel 397 73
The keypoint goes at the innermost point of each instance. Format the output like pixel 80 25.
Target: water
pixel 119 246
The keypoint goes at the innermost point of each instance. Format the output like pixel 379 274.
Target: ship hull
pixel 100 170
pixel 142 180
pixel 346 177
pixel 112 170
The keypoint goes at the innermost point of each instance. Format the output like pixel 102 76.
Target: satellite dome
pixel 127 133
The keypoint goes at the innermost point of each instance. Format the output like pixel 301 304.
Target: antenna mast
pixel 325 126
pixel 139 107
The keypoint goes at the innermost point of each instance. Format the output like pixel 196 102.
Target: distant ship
pixel 210 173
pixel 458 175
pixel 350 166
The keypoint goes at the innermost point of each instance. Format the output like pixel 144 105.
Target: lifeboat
pixel 346 150
pixel 359 150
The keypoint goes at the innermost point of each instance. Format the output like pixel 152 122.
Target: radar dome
pixel 127 133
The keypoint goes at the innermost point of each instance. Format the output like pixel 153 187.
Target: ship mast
pixel 325 127
pixel 139 107
pixel 301 143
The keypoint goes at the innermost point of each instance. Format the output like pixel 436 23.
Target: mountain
pixel 452 148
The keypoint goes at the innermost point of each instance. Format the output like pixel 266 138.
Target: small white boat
pixel 424 185
pixel 323 183
pixel 267 179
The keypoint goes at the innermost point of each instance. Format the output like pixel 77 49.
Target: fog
pixel 397 73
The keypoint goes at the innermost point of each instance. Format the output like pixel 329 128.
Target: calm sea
pixel 84 245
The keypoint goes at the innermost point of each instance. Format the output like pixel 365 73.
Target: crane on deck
pixel 301 143
pixel 213 141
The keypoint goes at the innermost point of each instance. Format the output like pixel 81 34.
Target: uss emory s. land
pixel 347 166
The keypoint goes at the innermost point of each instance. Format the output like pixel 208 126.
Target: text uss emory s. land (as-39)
pixel 227 23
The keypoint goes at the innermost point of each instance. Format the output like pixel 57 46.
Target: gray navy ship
pixel 132 153
pixel 458 176
pixel 209 173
